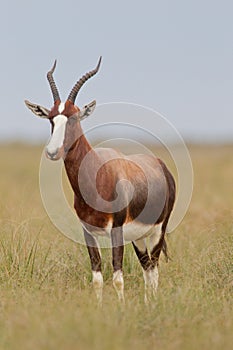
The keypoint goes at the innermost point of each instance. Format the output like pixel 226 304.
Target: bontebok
pixel 127 198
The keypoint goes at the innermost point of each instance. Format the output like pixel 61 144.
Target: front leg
pixel 95 257
pixel 117 261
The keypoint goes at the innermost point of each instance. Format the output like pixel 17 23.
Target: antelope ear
pixel 37 110
pixel 87 110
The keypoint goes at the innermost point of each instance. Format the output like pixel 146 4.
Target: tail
pixel 170 204
pixel 165 251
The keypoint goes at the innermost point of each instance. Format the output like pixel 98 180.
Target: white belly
pixel 131 231
pixel 136 230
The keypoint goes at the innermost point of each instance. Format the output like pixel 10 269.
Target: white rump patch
pixel 58 136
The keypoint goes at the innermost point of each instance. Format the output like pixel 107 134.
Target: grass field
pixel 46 297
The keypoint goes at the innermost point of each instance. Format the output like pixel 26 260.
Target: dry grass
pixel 46 298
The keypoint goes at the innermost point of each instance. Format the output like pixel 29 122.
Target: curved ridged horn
pixel 73 94
pixel 52 84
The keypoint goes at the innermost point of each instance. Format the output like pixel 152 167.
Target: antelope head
pixel 64 117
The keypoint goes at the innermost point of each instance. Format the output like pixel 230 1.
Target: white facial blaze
pixel 61 107
pixel 58 136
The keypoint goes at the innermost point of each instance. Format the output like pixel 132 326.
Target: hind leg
pixel 149 260
pixel 151 276
pixel 145 261
pixel 158 244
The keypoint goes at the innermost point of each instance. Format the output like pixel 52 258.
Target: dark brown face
pixel 65 125
pixel 65 121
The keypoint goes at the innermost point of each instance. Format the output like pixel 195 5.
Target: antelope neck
pixel 74 159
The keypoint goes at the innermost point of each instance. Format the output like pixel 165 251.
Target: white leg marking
pixel 118 283
pixel 97 280
pixel 151 278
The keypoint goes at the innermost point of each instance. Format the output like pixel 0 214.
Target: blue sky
pixel 173 56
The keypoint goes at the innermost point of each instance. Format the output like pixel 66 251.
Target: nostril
pixel 52 154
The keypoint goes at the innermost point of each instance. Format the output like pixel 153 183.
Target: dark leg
pixel 160 245
pixel 94 253
pixel 157 244
pixel 142 254
pixel 117 261
pixel 150 273
pixel 93 250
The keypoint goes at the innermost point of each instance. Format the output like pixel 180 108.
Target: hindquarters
pixel 154 190
pixel 148 254
pixel 170 200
